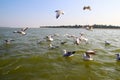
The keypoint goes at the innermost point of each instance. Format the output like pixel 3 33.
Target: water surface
pixel 25 59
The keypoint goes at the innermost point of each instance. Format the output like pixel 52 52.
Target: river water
pixel 26 59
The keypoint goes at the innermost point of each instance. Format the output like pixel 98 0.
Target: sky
pixel 36 13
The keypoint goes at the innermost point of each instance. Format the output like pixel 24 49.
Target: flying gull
pixel 58 13
pixel 22 31
pixel 87 8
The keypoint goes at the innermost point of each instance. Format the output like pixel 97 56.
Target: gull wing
pixel 58 13
pixel 24 29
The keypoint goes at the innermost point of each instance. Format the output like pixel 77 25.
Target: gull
pixel 53 46
pixel 77 41
pixel 91 52
pixel 63 42
pixel 8 41
pixel 58 13
pixel 118 57
pixel 87 7
pixel 107 43
pixel 82 38
pixel 22 31
pixel 49 38
pixel 68 54
pixel 88 55
pixel 89 28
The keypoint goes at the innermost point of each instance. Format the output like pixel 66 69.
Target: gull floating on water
pixel 118 57
pixel 53 46
pixel 22 31
pixel 8 41
pixel 107 43
pixel 89 28
pixel 88 55
pixel 68 54
pixel 87 8
pixel 63 42
pixel 49 38
pixel 58 13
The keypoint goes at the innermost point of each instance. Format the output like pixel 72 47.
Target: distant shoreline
pixel 80 26
pixel 76 26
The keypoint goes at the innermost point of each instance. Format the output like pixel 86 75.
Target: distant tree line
pixel 106 26
pixel 83 26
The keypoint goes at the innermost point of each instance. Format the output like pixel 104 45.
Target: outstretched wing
pixel 58 13
pixel 87 7
pixel 24 29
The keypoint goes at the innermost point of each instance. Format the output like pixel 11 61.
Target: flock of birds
pixel 60 12
pixel 77 41
pixel 88 54
pixel 21 32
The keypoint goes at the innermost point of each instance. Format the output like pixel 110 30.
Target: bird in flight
pixel 22 31
pixel 58 13
pixel 87 8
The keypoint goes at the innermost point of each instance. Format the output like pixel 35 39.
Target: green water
pixel 24 59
